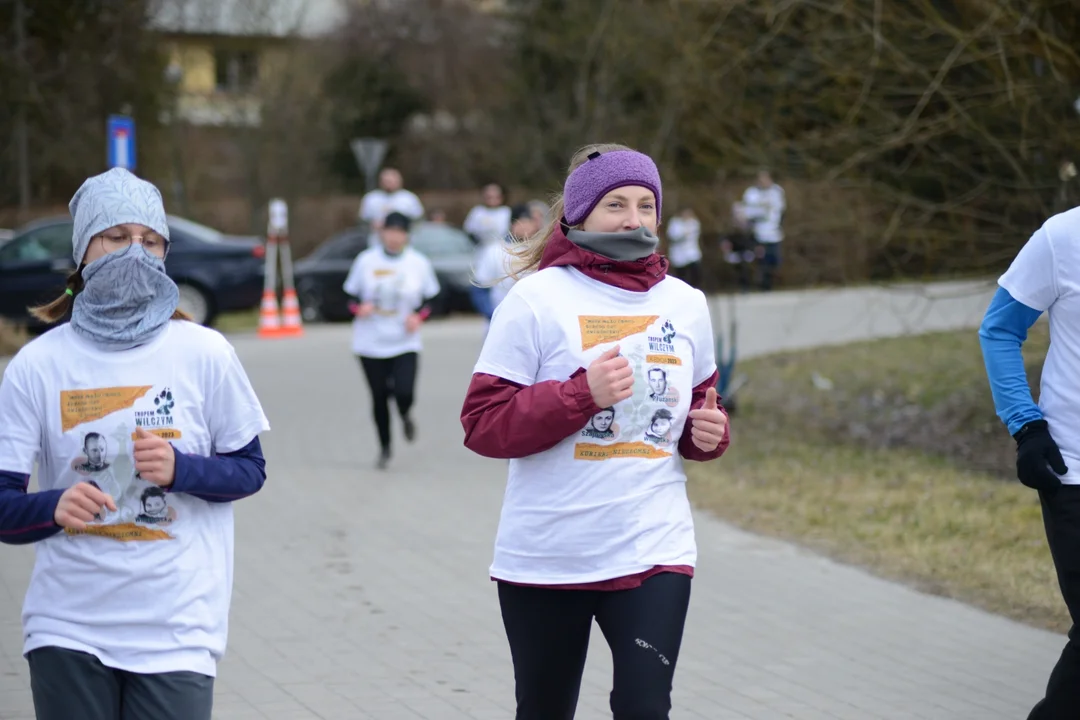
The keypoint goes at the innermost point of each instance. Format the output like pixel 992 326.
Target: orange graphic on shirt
pixel 82 406
pixel 383 272
pixel 663 360
pixel 600 329
pixel 640 450
pixel 124 532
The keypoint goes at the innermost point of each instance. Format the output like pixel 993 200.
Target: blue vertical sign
pixel 121 142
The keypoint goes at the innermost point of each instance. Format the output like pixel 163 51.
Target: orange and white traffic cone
pixel 269 322
pixel 291 324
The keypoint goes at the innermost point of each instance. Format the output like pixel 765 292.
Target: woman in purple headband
pixel 596 380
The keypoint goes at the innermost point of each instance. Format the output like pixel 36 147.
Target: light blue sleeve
pixel 1002 333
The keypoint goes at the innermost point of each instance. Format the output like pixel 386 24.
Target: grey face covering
pixel 126 299
pixel 625 245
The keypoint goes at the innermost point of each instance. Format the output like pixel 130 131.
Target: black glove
pixel 1038 459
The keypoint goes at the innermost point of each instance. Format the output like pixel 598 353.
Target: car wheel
pixel 195 302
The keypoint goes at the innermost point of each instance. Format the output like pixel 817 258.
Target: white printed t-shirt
pixel 488 224
pixel 764 208
pixel 377 204
pixel 610 500
pixel 493 266
pixel 1045 276
pixel 683 246
pixel 146 589
pixel 397 285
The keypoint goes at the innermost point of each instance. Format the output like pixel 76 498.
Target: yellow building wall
pixel 196 57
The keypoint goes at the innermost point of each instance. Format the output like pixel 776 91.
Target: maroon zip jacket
pixel 503 419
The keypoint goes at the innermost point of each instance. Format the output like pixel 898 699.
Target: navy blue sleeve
pixel 1003 332
pixel 26 517
pixel 221 478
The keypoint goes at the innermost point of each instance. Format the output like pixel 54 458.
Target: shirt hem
pixel 598 576
pixel 384 355
pixel 199 661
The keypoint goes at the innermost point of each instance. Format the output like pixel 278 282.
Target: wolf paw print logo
pixel 164 402
pixel 668 332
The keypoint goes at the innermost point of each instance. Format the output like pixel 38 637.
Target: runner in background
pixel 390 196
pixel 493 273
pixel 490 221
pixel 597 380
pixel 540 212
pixel 144 429
pixel 684 249
pixel 392 285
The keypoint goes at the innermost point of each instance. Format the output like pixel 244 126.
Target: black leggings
pixel 388 377
pixel 1061 517
pixel 548 630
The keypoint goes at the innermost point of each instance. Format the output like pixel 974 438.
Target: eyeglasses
pixel 151 242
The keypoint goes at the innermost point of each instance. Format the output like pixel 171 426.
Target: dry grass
pixel 237 322
pixel 902 468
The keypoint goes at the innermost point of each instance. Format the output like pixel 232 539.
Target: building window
pixel 236 70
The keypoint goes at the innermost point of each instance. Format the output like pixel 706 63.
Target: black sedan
pixel 215 272
pixel 320 275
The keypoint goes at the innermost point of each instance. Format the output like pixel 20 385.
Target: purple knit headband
pixel 602 173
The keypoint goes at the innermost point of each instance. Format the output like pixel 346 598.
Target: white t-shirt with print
pixel 377 204
pixel 610 500
pixel 764 208
pixel 146 589
pixel 1045 276
pixel 488 224
pixel 683 246
pixel 493 265
pixel 397 285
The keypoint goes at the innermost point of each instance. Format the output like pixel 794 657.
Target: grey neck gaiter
pixel 126 300
pixel 623 245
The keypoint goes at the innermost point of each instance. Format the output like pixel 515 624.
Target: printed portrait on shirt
pixel 602 425
pixel 155 507
pixel 95 453
pixel 659 388
pixel 659 430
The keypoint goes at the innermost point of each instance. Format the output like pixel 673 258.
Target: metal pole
pixel 287 281
pixel 21 134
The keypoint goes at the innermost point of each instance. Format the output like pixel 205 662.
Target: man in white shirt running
pixel 391 196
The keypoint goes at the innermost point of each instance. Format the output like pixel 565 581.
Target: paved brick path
pixel 365 595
